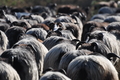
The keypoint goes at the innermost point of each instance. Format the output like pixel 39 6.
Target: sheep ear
pixel 87 36
pixel 104 28
pixel 62 71
pixel 23 24
pixel 109 55
pixel 51 25
pixel 48 69
pixel 13 23
pixel 48 34
pixel 75 41
pixel 95 46
pixel 100 36
pixel 79 43
pixel 72 31
pixel 91 28
pixel 59 29
pixel 58 32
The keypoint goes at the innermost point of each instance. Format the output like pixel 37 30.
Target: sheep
pixel 96 46
pixel 49 22
pixel 54 75
pixel 98 16
pixel 41 25
pixel 70 55
pixel 4 43
pixel 106 10
pixel 7 72
pixel 112 18
pixel 52 7
pixel 38 49
pixel 41 9
pixel 21 23
pixel 38 18
pixel 4 26
pixel 52 41
pixel 13 34
pixel 114 29
pixel 66 19
pixel 76 31
pixel 31 21
pixel 10 18
pixel 103 36
pixel 21 14
pixel 55 54
pixel 67 34
pixel 111 42
pixel 23 62
pixel 79 21
pixel 91 67
pixel 97 20
pixel 91 26
pixel 62 33
pixel 112 4
pixel 39 33
pixel 108 39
